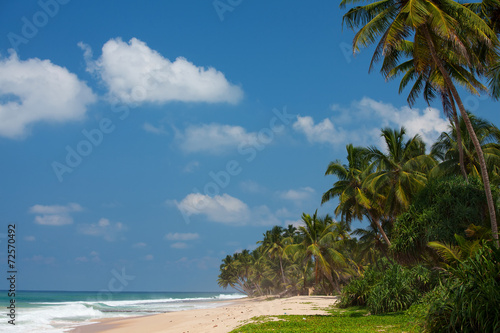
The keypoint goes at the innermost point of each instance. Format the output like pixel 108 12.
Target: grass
pixel 355 320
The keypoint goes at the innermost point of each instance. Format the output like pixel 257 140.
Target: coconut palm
pixel 318 245
pixel 274 245
pixel 445 149
pixel 400 172
pixel 355 201
pixel 429 82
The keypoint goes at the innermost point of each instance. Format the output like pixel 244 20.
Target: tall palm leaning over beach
pixel 429 83
pixel 354 200
pixel 438 27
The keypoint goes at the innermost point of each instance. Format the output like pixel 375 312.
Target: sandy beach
pixel 217 320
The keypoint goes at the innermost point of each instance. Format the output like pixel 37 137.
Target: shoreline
pixel 220 319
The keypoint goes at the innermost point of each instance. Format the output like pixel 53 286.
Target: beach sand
pixel 217 320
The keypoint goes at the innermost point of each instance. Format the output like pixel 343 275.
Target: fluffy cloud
pixel 366 117
pixel 214 138
pixel 104 228
pixel 297 195
pixel 323 132
pixel 226 209
pixel 38 91
pixel 135 73
pixel 55 215
pixel 428 123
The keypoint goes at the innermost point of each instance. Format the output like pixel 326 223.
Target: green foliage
pixel 470 299
pixel 389 289
pixel 445 207
pixel 399 288
pixel 356 292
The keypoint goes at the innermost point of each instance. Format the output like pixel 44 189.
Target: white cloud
pixel 226 209
pixel 428 123
pixel 297 195
pixel 40 259
pixel 37 90
pixel 295 223
pixel 181 236
pixel 367 117
pixel 252 187
pixel 149 257
pixel 152 129
pixel 55 215
pixel 139 245
pixel 104 228
pixel 135 73
pixel 214 138
pixel 191 167
pixel 30 238
pixel 179 245
pixel 323 132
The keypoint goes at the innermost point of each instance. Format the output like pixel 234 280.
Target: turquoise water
pixel 59 311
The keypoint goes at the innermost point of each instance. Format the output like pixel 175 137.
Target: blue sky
pixel 152 139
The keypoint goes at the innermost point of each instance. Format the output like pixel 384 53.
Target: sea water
pixel 59 311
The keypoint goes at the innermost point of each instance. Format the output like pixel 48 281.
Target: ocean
pixel 59 311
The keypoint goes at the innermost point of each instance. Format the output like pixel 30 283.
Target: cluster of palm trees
pixel 374 185
pixel 292 260
pixel 437 45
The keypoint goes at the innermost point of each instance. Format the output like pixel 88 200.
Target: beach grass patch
pixel 355 320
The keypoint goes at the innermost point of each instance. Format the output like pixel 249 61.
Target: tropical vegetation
pixel 429 248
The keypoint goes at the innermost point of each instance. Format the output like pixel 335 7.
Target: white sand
pixel 217 320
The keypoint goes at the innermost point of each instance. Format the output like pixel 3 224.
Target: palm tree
pixel 401 172
pixel 274 245
pixel 355 201
pixel 488 135
pixel 439 28
pixel 430 83
pixel 318 245
pixel 232 275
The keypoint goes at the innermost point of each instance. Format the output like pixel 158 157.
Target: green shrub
pixel 471 301
pixel 388 289
pixel 445 207
pixel 355 293
pixel 399 288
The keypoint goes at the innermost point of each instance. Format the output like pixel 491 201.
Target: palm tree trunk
pixel 282 272
pixel 380 229
pixel 477 145
pixel 459 141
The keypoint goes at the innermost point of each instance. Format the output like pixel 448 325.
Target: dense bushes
pixel 470 299
pixel 445 207
pixel 391 289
